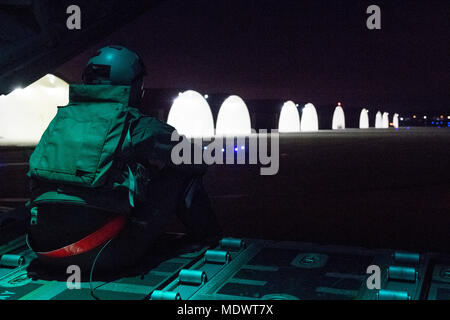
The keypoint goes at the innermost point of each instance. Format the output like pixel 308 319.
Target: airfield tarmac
pixel 375 188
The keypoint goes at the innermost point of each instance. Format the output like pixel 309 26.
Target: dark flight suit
pixel 172 190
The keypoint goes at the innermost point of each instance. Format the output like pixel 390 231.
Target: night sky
pixel 315 51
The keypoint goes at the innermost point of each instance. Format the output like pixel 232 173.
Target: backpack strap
pixel 131 177
pixel 107 232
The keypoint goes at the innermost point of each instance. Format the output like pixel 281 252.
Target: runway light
pixel 395 121
pixel 236 149
pixel 364 119
pixel 379 120
pixel 233 118
pixel 223 150
pixel 310 120
pixel 25 113
pixel 289 118
pixel 338 118
pixel 190 115
pixel 385 120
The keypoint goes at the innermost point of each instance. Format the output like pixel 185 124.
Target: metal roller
pixel 196 277
pixel 217 256
pixel 402 273
pixel 393 295
pixel 12 260
pixel 232 244
pixel 165 295
pixel 407 258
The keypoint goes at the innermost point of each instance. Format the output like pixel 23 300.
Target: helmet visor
pixel 97 74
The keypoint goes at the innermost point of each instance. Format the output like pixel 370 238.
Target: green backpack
pixel 85 156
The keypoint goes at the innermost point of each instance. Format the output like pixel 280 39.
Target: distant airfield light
pixel 338 121
pixel 206 96
pixel 364 119
pixel 233 118
pixel 25 113
pixel 191 115
pixel 448 117
pixel 385 120
pixel 379 120
pixel 395 121
pixel 402 119
pixel 242 148
pixel 309 120
pixel 425 117
pixel 442 117
pixel 17 90
pixel 289 118
pixel 414 116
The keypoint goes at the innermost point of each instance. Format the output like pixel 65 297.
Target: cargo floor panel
pixel 241 269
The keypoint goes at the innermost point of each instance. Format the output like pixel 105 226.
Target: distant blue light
pixel 432 122
pixel 407 128
pixel 439 127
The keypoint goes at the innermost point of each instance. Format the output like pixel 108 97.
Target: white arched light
pixel 309 121
pixel 289 118
pixel 364 119
pixel 26 113
pixel 191 115
pixel 395 121
pixel 385 120
pixel 233 118
pixel 379 120
pixel 338 118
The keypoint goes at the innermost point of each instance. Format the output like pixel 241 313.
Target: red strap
pixel 91 241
